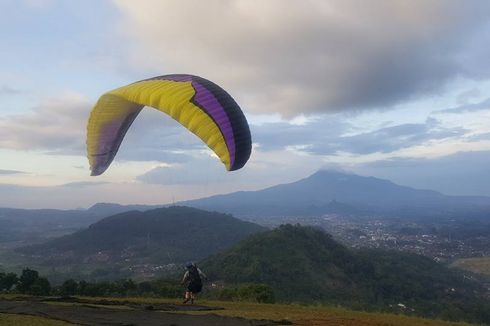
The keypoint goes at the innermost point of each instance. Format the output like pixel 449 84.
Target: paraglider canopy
pixel 198 104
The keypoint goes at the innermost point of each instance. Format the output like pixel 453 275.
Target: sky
pixel 393 89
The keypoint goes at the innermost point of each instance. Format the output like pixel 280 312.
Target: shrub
pixel 260 293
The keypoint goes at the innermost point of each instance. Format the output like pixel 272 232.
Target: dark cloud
pixel 310 56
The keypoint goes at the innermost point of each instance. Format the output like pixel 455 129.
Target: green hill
pixel 304 264
pixel 160 236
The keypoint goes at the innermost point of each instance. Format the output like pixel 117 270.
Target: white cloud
pixel 56 123
pixel 264 169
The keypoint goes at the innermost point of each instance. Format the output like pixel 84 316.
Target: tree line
pixel 30 282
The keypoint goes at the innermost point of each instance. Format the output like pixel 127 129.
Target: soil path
pixel 93 315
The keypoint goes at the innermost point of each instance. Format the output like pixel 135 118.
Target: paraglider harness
pixel 195 282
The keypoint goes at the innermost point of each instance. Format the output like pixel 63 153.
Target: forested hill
pixel 304 264
pixel 164 235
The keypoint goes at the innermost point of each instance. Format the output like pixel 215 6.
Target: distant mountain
pixel 108 209
pixel 321 193
pixel 304 264
pixel 35 225
pixel 159 236
pixel 332 191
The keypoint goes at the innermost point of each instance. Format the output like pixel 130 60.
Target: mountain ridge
pixel 323 192
pixel 326 186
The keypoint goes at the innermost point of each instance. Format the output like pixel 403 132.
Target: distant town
pixel 442 241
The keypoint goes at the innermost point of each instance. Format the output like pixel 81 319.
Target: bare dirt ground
pixel 106 313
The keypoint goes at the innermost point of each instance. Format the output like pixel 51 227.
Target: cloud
pixel 484 105
pixel 462 173
pixel 278 135
pixel 480 137
pixel 56 123
pixel 181 174
pixel 200 176
pixel 312 56
pixel 7 90
pixel 206 172
pixel 69 197
pixel 81 184
pixel 330 135
pixel 58 127
pixel 155 154
pixel 155 136
pixel 390 139
pixel 39 4
pixel 10 172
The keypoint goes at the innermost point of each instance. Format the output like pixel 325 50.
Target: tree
pixel 7 281
pixel 27 279
pixel 40 287
pixel 69 287
pixel 31 283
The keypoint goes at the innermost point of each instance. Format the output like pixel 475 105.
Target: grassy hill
pixel 160 236
pixel 304 264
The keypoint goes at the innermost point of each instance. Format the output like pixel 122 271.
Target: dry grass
pixel 321 315
pixel 22 320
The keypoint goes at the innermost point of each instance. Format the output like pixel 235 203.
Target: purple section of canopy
pixel 206 100
pixel 107 139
